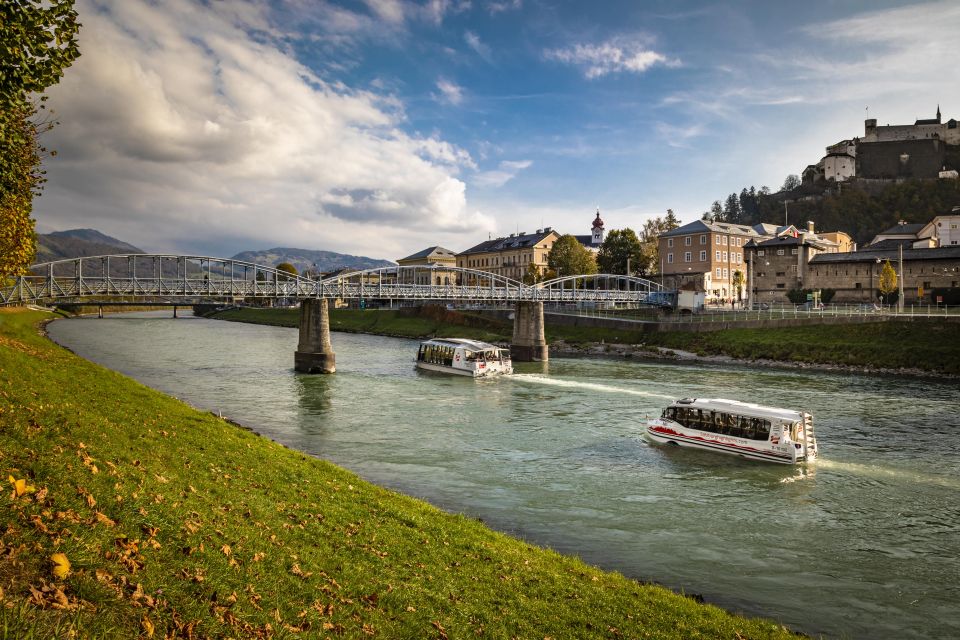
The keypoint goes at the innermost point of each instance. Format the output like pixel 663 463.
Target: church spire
pixel 938 114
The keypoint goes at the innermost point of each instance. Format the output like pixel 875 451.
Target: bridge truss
pixel 185 280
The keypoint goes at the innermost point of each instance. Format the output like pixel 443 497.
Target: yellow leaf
pixel 20 487
pixel 147 626
pixel 61 566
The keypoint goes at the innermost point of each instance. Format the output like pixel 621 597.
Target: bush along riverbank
pixel 924 347
pixel 127 513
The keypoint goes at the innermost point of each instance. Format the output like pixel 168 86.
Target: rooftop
pixel 893 255
pixel 430 251
pixel 513 241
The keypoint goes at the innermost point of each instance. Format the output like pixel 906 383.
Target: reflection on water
pixel 863 543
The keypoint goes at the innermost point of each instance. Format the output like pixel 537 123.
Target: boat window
pixel 763 430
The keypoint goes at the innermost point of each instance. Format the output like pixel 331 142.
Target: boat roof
pixel 474 345
pixel 735 406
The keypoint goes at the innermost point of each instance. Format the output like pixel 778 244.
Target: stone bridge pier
pixel 529 343
pixel 314 352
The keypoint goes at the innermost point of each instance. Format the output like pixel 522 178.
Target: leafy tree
pixel 738 281
pixel 20 180
pixel 650 243
pixel 532 274
pixel 287 268
pixel 617 247
pixel 791 182
pixel 716 211
pixel 731 209
pixel 568 257
pixel 888 281
pixel 39 41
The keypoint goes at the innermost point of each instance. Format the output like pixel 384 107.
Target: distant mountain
pixel 77 243
pixel 303 259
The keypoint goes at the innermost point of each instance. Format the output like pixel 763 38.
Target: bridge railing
pixel 188 279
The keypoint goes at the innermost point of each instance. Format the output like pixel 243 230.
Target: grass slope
pixel 931 346
pixel 178 524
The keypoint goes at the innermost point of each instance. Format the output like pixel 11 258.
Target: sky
pixel 381 127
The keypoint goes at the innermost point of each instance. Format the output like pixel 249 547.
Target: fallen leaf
pixel 20 487
pixel 147 626
pixel 61 566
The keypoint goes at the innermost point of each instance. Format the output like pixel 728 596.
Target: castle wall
pixel 901 159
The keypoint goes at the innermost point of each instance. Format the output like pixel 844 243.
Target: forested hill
pixel 860 208
pixel 77 243
pixel 304 259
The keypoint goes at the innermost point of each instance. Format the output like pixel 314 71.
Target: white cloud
pixel 450 92
pixel 179 130
pixel 504 5
pixel 473 41
pixel 387 10
pixel 614 56
pixel 506 171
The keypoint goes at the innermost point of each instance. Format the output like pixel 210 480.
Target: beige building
pixel 707 254
pixel 855 276
pixel 512 256
pixel 779 264
pixel 432 256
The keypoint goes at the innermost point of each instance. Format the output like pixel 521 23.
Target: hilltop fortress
pixel 925 149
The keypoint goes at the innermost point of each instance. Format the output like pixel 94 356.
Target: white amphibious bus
pixel 463 357
pixel 748 430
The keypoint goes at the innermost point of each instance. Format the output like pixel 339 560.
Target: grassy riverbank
pixel 175 523
pixel 932 346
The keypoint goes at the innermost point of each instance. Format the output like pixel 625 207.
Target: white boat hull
pixel 670 433
pixel 490 370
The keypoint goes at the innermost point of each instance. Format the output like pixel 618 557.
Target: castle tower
pixel 597 229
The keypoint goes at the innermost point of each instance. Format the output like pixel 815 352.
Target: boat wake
pixel 887 473
pixel 573 384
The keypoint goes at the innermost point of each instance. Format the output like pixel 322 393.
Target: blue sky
pixel 380 127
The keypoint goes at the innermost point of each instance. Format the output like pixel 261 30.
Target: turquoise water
pixel 864 543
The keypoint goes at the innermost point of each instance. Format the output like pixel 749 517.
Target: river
pixel 865 543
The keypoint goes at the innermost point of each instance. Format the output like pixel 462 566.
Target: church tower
pixel 938 115
pixel 597 229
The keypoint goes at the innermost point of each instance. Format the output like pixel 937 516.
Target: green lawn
pixel 178 524
pixel 929 345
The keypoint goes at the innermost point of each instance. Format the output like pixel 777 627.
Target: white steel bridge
pixel 187 280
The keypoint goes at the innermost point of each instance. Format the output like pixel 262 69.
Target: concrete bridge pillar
pixel 314 352
pixel 529 343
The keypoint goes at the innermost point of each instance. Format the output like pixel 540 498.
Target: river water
pixel 865 543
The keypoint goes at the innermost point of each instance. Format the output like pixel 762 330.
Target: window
pixel 793 268
pixel 726 274
pixel 724 254
pixel 739 242
pixel 687 241
pixel 703 256
pixel 761 252
pixel 718 239
pixel 669 258
pixel 718 256
pixel 703 239
pixel 687 256
pixel 793 251
pixel 926 285
pixel 669 242
pixel 857 285
pixel 724 240
pixel 779 252
pixel 781 274
pixel 780 285
pixel 718 272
